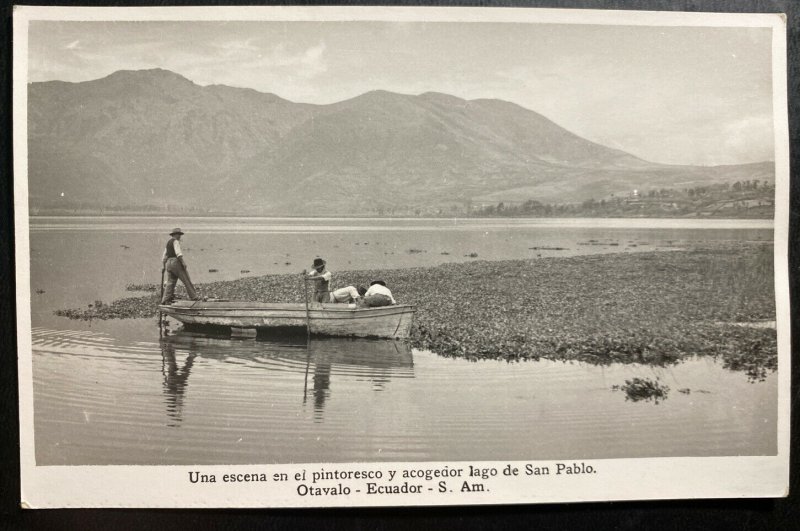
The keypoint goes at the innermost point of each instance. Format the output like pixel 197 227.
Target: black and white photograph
pixel 286 257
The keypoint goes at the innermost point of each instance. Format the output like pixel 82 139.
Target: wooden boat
pixel 343 320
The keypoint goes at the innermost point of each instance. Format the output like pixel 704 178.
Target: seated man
pixel 378 294
pixel 348 294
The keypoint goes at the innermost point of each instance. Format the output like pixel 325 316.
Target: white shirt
pixel 175 245
pixel 325 276
pixel 345 294
pixel 377 289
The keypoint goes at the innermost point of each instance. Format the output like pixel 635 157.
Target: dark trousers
pixel 176 271
pixel 378 299
pixel 322 296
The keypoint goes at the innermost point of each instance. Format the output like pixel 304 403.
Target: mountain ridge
pixel 155 139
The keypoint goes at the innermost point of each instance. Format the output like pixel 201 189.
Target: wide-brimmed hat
pixel 175 231
pixel 319 262
pixel 381 282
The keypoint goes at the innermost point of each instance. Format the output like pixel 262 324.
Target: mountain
pixel 154 139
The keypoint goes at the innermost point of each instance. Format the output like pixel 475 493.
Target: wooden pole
pixel 308 316
pixel 308 336
pixel 160 298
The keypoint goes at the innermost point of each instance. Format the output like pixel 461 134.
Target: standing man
pixel 322 281
pixel 173 262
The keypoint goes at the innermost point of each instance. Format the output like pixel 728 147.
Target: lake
pixel 114 392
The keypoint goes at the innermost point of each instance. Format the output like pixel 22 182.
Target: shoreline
pixel 653 307
pixel 235 215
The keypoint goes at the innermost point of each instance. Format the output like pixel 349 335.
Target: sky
pixel 676 95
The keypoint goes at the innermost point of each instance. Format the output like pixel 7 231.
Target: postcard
pixel 391 256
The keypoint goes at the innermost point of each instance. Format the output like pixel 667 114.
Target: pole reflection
pixel 320 361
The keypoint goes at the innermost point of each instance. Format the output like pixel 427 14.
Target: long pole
pixel 308 336
pixel 161 298
pixel 308 316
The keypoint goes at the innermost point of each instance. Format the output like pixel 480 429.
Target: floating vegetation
pixel 142 287
pixel 638 389
pixel 39 291
pixel 548 248
pixel 472 255
pixel 244 271
pixel 445 253
pixel 416 251
pixel 131 307
pixel 653 307
pixel 213 270
pixel 685 391
pixel 752 354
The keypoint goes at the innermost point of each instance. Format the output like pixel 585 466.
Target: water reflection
pixel 322 386
pixel 175 380
pixel 320 361
pixel 191 400
pixel 375 361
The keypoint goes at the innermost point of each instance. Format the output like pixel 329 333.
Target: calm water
pixel 114 393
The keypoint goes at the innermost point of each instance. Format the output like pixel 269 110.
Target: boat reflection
pixel 320 361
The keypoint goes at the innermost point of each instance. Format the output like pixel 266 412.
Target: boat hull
pixel 342 320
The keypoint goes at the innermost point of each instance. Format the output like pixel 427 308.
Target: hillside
pixel 153 140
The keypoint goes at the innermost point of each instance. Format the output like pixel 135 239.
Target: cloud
pixel 238 44
pixel 311 60
pixel 74 45
pixel 751 137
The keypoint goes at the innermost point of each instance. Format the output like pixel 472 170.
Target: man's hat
pixel 175 231
pixel 381 282
pixel 319 262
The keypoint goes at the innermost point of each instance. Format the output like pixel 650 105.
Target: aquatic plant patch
pixel 653 307
pixel 638 389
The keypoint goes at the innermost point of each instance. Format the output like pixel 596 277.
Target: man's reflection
pixel 374 361
pixel 175 381
pixel 322 385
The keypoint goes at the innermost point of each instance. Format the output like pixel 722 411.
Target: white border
pixel 616 479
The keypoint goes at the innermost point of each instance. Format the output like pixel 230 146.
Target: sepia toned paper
pixel 587 211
